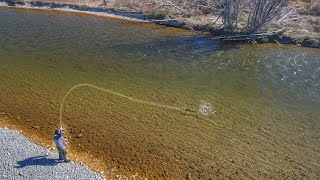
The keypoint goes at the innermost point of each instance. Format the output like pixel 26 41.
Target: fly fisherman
pixel 61 145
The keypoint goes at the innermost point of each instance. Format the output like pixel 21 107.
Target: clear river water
pixel 264 98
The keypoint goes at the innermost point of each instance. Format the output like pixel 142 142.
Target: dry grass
pixel 315 8
pixel 311 7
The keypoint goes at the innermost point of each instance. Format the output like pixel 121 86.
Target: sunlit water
pixel 261 102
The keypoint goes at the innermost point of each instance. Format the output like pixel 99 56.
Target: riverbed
pixel 263 99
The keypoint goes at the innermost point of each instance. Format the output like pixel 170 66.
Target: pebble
pixel 26 160
pixel 36 127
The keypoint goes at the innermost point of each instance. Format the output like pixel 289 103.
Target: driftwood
pixel 289 14
pixel 248 37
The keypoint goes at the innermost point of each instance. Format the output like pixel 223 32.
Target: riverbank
pixel 22 159
pixel 31 154
pixel 302 32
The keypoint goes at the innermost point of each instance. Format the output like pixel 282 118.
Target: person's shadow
pixel 38 161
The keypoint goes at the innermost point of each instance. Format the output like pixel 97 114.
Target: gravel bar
pixel 22 159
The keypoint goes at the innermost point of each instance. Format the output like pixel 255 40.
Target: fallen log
pixel 246 36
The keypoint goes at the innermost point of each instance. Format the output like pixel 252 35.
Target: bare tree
pixel 231 14
pixel 262 12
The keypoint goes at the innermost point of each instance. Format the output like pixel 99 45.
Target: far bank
pixel 302 31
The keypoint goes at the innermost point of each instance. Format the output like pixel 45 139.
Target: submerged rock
pixel 79 135
pixel 36 127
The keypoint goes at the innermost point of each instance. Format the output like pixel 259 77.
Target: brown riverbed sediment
pixel 262 129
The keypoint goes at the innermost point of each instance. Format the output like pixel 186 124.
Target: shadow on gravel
pixel 37 161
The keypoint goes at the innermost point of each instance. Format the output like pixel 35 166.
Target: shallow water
pixel 265 97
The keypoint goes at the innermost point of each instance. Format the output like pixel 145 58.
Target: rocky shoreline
pixel 280 38
pixel 22 159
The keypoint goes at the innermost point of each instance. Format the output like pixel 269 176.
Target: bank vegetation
pixel 297 20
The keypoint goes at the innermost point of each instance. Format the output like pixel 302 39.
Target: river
pixel 263 99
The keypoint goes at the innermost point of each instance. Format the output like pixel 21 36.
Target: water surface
pixel 265 97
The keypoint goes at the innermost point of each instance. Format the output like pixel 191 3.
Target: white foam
pixel 206 108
